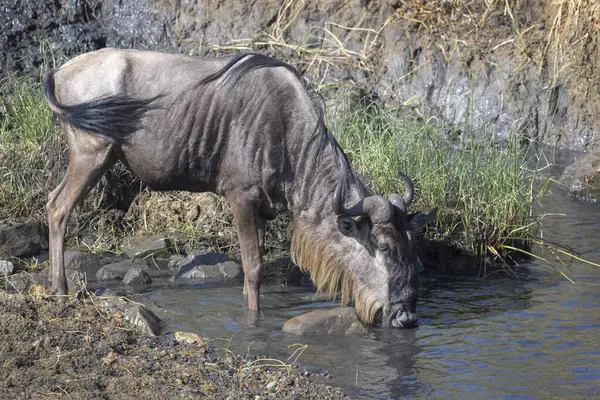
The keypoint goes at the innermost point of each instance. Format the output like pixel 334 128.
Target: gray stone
pixel 117 271
pixel 159 267
pixel 76 280
pixel 89 263
pixel 582 178
pixel 105 293
pixel 334 321
pixel 6 267
pixel 174 261
pixel 144 319
pixel 207 267
pixel 22 282
pixel 137 276
pixel 155 246
pixel 84 259
pixel 24 239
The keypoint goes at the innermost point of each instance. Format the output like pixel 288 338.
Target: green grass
pixel 483 189
pixel 31 149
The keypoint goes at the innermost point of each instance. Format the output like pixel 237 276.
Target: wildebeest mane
pixel 253 62
pixel 236 69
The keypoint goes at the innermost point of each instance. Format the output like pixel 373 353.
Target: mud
pixel 80 349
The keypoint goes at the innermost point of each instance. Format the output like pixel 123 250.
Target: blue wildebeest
pixel 247 127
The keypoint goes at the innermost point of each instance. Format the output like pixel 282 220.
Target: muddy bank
pixel 80 349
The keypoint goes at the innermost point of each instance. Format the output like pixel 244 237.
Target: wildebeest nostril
pixel 407 319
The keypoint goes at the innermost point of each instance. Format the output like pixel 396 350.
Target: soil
pixel 76 348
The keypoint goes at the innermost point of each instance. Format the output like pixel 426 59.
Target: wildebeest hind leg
pixel 250 228
pixel 89 158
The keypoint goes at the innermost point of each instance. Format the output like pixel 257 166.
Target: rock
pixel 109 293
pixel 110 359
pixel 155 246
pixel 91 262
pixel 207 267
pixel 334 321
pixel 76 280
pixel 117 271
pixel 582 178
pixel 144 319
pixel 22 282
pixel 137 276
pixel 271 385
pixel 6 267
pixel 189 337
pixel 174 261
pixel 24 239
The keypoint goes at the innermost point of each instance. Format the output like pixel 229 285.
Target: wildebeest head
pixel 384 261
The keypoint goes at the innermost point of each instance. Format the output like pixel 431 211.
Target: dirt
pixel 77 348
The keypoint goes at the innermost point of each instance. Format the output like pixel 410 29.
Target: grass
pixel 484 190
pixel 31 150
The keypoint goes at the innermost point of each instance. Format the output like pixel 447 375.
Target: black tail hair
pixel 112 118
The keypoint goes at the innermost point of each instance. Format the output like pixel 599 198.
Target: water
pixel 500 338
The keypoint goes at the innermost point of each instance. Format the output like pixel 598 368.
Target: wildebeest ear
pixel 420 219
pixel 347 226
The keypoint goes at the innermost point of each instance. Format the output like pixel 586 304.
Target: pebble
pixel 6 267
pixel 271 385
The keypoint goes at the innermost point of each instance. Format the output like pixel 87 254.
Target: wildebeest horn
pixel 378 208
pixel 402 202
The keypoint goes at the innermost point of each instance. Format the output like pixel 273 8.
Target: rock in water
pixel 155 246
pixel 334 321
pixel 582 178
pixel 118 270
pixel 137 276
pixel 144 319
pixel 207 267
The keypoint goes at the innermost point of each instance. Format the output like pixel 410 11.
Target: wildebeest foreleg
pixel 250 228
pixel 88 159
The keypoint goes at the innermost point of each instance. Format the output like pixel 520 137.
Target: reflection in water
pixel 494 338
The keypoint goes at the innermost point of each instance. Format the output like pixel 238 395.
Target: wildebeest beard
pixel 314 251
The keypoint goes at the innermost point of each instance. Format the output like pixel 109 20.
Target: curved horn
pixel 399 202
pixel 377 208
pixel 410 188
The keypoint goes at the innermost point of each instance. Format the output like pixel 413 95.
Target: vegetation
pixel 31 151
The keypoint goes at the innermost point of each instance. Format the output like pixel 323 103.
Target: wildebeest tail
pixel 112 118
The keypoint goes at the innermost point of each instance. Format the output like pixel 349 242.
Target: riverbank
pixel 79 348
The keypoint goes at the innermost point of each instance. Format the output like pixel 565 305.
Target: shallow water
pixel 537 337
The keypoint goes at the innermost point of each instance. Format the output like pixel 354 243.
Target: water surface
pixel 499 338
